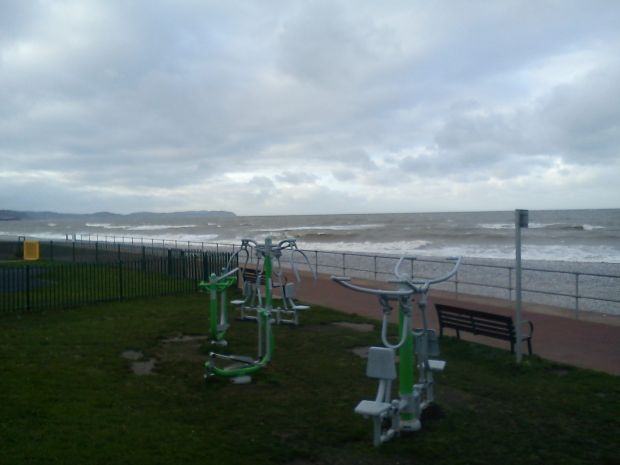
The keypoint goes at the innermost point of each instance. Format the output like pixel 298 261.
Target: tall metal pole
pixel 521 221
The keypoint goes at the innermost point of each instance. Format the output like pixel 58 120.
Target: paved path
pixel 592 341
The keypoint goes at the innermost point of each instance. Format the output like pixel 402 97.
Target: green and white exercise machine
pixel 219 319
pixel 414 349
pixel 255 285
pixel 240 368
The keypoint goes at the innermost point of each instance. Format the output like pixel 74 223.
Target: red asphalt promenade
pixel 592 341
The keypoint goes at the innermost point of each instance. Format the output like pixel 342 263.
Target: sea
pixel 565 252
pixel 555 235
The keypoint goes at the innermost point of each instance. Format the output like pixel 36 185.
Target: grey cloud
pixel 296 177
pixel 584 119
pixel 142 95
pixel 344 175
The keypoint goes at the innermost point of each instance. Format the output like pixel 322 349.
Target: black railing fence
pixel 71 273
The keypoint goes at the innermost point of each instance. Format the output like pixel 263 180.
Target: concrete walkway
pixel 592 341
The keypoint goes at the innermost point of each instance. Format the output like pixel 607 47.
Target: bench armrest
pixel 531 325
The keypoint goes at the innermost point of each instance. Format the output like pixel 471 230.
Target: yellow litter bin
pixel 31 250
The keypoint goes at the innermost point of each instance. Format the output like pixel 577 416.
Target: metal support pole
pixel 577 296
pixel 375 257
pixel 521 221
pixel 518 286
pixel 316 262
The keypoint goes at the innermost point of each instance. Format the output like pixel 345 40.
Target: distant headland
pixel 13 215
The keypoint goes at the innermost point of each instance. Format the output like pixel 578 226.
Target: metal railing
pixel 574 290
pixel 73 274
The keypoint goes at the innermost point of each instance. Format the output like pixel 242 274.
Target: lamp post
pixel 521 221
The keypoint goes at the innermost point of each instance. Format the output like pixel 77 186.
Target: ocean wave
pixel 104 226
pixel 160 227
pixel 333 227
pixel 598 254
pixel 142 227
pixel 49 235
pixel 396 247
pixel 557 226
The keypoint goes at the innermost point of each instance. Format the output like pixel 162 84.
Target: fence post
pixel 577 295
pixel 51 251
pixel 205 267
pixel 509 283
pixel 27 287
pixel 344 267
pixel 73 251
pixel 120 280
pixel 375 259
pixel 316 262
pixel 456 284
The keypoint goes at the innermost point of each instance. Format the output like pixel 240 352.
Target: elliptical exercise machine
pixel 242 367
pixel 402 414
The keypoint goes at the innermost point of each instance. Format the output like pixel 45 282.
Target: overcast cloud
pixel 285 107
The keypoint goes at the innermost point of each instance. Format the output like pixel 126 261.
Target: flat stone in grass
pixel 142 368
pixel 184 338
pixel 138 366
pixel 132 355
pixel 361 327
pixel 360 351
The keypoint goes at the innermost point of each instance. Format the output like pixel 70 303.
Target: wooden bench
pixel 481 323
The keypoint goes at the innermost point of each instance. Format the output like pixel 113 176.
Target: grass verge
pixel 69 397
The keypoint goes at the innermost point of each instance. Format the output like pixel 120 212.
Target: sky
pixel 309 107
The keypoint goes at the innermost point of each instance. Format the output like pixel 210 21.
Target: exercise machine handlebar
pixel 391 294
pixel 426 282
pixel 385 295
pixel 223 276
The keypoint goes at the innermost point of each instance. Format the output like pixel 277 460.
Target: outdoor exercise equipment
pixel 219 320
pixel 402 414
pixel 242 367
pixel 254 284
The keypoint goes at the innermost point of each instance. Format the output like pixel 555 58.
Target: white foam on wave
pixel 598 254
pixel 496 226
pixel 103 225
pixel 333 227
pixel 49 235
pixel 585 227
pixel 396 247
pixel 142 227
pixel 159 227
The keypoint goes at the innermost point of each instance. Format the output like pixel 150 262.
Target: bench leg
pixel 529 345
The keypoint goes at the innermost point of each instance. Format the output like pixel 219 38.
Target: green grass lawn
pixel 67 396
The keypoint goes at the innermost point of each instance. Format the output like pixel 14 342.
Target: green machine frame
pixel 240 368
